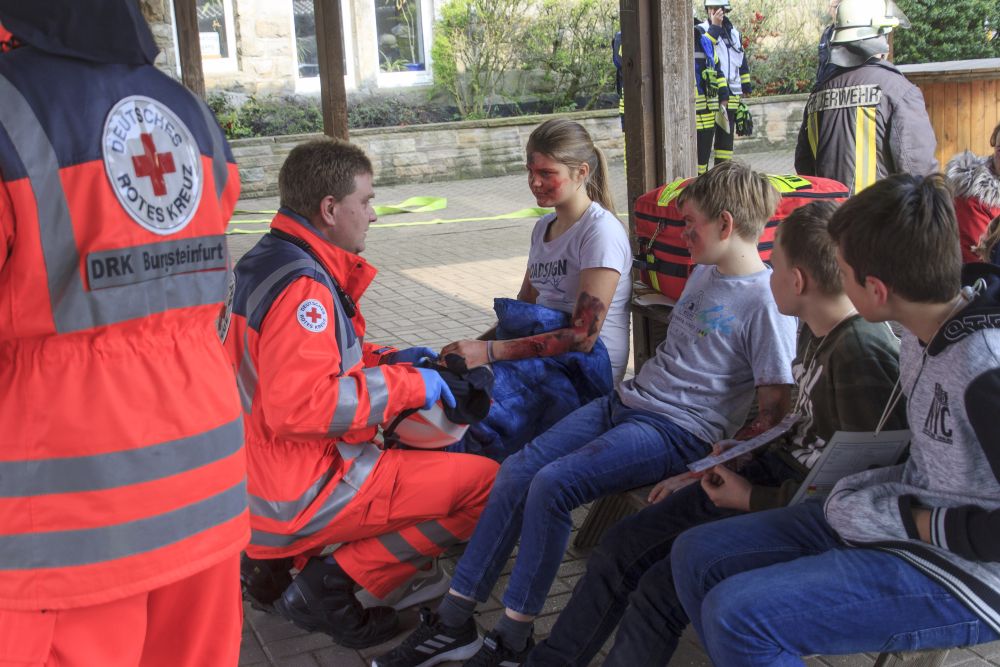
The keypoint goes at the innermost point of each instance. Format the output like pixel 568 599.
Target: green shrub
pixel 780 39
pixel 475 43
pixel 948 31
pixel 570 41
pixel 272 116
pixel 228 117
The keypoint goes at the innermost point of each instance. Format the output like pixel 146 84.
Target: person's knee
pixel 552 490
pixel 727 610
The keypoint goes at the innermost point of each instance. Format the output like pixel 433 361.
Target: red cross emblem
pixel 153 165
pixel 314 315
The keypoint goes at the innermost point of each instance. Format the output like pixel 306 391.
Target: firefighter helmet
pixel 718 3
pixel 859 20
pixel 423 429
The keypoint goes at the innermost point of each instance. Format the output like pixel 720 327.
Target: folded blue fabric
pixel 530 395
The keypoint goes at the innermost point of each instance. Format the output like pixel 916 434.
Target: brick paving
pixel 436 284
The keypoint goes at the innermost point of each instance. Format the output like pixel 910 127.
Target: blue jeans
pixel 603 447
pixel 764 589
pixel 629 586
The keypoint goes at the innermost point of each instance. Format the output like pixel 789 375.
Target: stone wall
pixel 495 147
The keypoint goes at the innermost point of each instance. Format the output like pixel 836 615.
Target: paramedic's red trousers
pixel 194 622
pixel 431 501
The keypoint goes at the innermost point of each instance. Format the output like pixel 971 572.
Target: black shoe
pixel 321 599
pixel 495 654
pixel 263 581
pixel 433 642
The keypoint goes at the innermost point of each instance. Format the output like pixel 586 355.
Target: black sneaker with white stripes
pixel 493 653
pixel 433 642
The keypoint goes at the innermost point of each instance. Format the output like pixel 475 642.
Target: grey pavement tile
pixel 336 656
pixel 283 649
pixel 251 652
pixel 689 655
pixel 300 660
pixel 989 651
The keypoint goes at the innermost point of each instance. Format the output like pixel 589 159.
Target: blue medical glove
pixel 435 388
pixel 411 355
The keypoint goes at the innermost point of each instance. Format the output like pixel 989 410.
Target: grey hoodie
pixel 953 396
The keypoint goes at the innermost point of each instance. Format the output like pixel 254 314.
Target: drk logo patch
pixel 312 315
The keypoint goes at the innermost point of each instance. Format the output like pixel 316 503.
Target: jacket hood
pixel 982 313
pixel 102 31
pixel 973 177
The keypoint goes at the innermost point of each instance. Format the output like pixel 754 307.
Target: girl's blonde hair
pixel 568 143
pixel 988 240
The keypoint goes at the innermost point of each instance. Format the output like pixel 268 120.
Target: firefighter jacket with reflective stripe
pixel 121 453
pixel 313 391
pixel 863 124
pixel 733 61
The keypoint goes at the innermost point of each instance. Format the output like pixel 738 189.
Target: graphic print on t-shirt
pixel 700 321
pixel 549 273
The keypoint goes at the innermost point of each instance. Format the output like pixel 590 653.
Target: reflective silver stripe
pixel 405 552
pixel 220 168
pixel 67 548
pixel 73 308
pixel 345 491
pixel 350 355
pixel 378 395
pixel 400 549
pixel 246 375
pixel 287 510
pixel 118 469
pixel 438 534
pixel 260 292
pixel 346 408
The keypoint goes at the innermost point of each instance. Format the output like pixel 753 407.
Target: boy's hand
pixel 727 489
pixel 670 485
pixel 716 15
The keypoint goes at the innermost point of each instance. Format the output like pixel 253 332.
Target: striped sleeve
pixel 305 392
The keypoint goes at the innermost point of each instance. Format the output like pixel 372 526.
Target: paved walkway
pixel 436 284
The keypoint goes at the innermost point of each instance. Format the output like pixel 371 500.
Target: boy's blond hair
pixel 735 187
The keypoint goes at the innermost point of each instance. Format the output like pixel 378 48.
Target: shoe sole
pixel 421 595
pixel 281 608
pixel 458 653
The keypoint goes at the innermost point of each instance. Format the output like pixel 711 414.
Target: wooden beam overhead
pixel 330 50
pixel 189 46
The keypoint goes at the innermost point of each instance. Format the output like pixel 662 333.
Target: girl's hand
pixel 671 485
pixel 472 351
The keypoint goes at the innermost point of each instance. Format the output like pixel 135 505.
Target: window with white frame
pixel 403 31
pixel 216 34
pixel 306 50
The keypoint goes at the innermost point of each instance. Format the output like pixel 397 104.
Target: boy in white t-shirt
pixel 725 339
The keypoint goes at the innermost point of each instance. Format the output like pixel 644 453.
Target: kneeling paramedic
pixel 314 393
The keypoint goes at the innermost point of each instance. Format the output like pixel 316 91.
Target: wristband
pixel 489 352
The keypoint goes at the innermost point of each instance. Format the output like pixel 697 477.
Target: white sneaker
pixel 423 586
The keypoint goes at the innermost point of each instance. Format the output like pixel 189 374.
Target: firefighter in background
pixel 710 96
pixel 122 470
pixel 728 48
pixel 314 392
pixel 866 120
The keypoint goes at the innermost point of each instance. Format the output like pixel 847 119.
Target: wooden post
pixel 189 46
pixel 658 78
pixel 330 50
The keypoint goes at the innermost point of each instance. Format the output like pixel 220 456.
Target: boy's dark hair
pixel 735 187
pixel 807 244
pixel 319 168
pixel 902 230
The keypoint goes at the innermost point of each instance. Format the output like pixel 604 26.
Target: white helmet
pixel 717 3
pixel 423 429
pixel 866 19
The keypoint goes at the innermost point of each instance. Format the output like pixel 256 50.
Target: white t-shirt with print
pixel 725 338
pixel 597 240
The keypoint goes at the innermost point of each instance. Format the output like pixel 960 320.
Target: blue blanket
pixel 530 395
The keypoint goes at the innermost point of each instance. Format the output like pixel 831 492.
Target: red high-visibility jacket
pixel 313 391
pixel 121 459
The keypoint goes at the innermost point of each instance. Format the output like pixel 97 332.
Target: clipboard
pixel 849 452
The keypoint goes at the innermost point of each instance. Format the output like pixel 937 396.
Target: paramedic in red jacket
pixel 313 394
pixel 123 505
